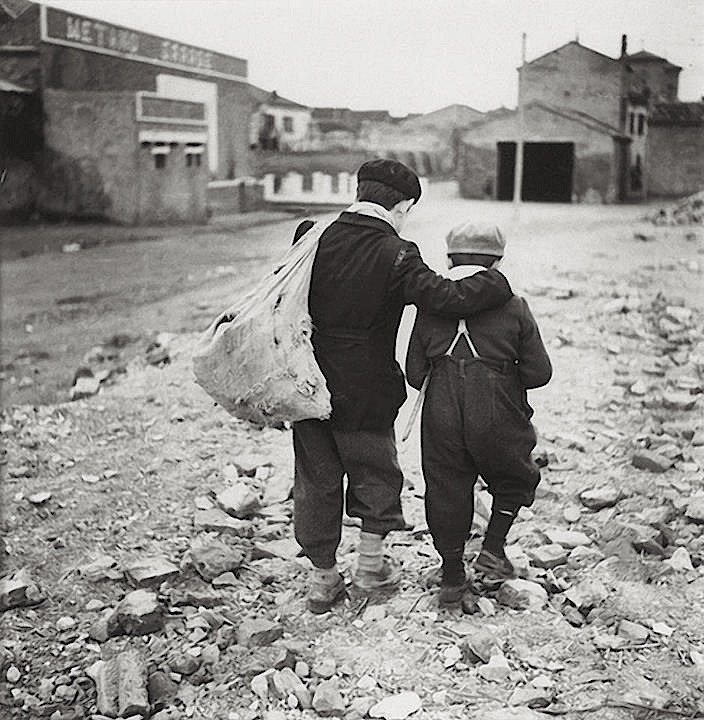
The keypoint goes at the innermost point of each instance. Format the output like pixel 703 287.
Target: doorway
pixel 547 171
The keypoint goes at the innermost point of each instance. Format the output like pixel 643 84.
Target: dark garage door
pixel 547 171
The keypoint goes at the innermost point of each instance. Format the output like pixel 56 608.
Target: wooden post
pixel 518 164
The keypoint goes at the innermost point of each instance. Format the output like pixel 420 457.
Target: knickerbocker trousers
pixel 475 421
pixel 324 455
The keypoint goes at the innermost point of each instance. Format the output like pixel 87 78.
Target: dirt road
pixel 129 473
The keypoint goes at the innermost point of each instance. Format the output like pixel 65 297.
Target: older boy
pixel 476 418
pixel 363 276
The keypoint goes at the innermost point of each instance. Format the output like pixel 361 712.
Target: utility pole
pixel 518 165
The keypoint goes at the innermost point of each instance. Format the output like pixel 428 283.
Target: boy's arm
pixel 452 298
pixel 534 367
pixel 417 364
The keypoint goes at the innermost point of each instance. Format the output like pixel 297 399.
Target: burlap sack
pixel 256 359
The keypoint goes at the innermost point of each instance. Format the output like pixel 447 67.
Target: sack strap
pixel 462 331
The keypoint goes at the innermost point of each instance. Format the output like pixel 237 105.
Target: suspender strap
pixel 462 331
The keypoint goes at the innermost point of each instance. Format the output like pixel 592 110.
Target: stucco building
pixel 278 123
pixel 594 128
pixel 133 126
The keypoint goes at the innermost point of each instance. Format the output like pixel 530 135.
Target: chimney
pixel 624 45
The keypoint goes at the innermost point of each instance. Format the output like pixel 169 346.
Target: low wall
pixel 318 188
pixel 675 160
pixel 307 162
pixel 314 189
pixel 241 195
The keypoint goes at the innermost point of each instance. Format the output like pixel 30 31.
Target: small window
pixel 159 152
pixel 641 124
pixel 288 124
pixel 308 182
pixel 192 160
pixel 631 123
pixel 277 183
pixel 335 184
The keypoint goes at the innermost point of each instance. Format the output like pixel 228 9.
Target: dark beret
pixel 393 174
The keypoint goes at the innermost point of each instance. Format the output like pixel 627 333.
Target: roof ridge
pixel 572 42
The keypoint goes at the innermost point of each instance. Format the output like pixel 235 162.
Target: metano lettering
pixel 63 28
pixel 102 35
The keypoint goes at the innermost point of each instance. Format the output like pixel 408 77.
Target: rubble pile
pixel 152 569
pixel 689 211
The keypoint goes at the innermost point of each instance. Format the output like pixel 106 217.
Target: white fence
pixel 316 188
pixel 319 187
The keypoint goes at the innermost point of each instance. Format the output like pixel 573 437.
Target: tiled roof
pixel 567 44
pixel 272 98
pixel 378 115
pixel 326 126
pixel 645 56
pixel 329 112
pixel 677 113
pixel 568 113
pixel 581 117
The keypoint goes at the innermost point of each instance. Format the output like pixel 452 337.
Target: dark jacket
pixel 363 276
pixel 507 333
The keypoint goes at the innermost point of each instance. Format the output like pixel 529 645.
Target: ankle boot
pixel 326 588
pixel 452 584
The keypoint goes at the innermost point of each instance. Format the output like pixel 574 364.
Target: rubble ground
pixel 150 566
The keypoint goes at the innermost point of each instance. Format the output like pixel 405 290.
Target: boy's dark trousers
pixel 476 420
pixel 324 455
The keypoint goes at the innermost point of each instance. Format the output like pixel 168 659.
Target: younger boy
pixel 476 417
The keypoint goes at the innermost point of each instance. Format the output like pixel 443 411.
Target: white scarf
pixel 363 207
pixel 462 271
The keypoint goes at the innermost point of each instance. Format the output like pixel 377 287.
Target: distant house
pixel 446 118
pixel 333 129
pixel 675 149
pixel 345 118
pixel 332 135
pixel 655 76
pixel 278 123
pixel 586 129
pixel 423 141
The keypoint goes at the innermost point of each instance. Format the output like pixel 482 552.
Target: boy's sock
pixel 500 523
pixel 453 568
pixel 371 552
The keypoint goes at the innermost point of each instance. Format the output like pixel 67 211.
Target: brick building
pixel 133 126
pixel 587 132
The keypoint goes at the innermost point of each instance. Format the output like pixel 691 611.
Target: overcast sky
pixel 411 55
